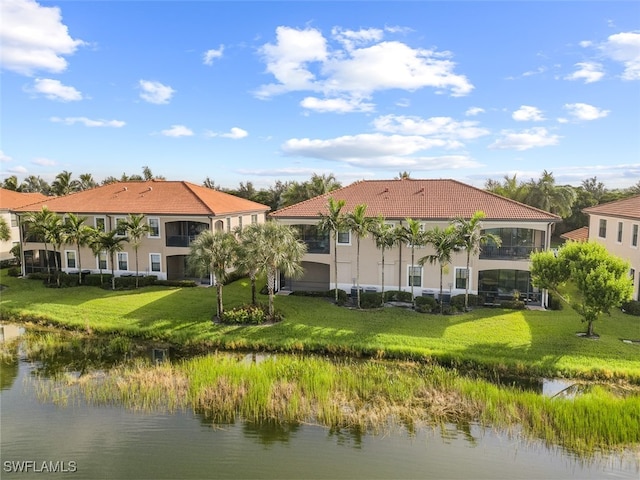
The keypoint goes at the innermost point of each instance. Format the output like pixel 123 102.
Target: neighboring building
pixel 10 200
pixel 617 226
pixel 497 272
pixel 176 213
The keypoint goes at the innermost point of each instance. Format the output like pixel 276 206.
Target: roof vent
pixel 386 189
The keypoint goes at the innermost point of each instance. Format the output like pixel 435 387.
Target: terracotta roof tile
pixel 625 208
pixel 151 198
pixel 420 199
pixel 10 199
pixel 578 235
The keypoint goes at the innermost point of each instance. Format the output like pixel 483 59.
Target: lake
pixel 84 441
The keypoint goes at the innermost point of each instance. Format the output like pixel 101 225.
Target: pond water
pixel 82 441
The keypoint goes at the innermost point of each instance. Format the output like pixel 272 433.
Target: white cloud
pixel 302 60
pixel 55 90
pixel 177 131
pixel 377 150
pixel 524 140
pixel 588 71
pixel 625 48
pixel 19 169
pixel 33 38
pixel 537 71
pixel 473 111
pixel 337 105
pixel 87 122
pixel 527 113
pixel 584 111
pixel 439 127
pixel 235 133
pixel 212 54
pixel 44 162
pixel 155 92
pixel 4 158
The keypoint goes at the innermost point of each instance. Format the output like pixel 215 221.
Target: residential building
pixel 617 226
pixel 10 200
pixel 497 272
pixel 175 211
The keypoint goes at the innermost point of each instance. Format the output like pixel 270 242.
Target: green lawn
pixel 536 342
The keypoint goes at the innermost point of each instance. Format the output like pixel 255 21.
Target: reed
pixel 365 395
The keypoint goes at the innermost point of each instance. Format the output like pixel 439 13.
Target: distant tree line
pixel 544 193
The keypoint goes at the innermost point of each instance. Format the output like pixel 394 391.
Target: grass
pixel 525 342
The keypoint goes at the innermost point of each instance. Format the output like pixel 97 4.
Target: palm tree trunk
pixel 335 264
pixel 219 300
pixel 441 302
pixel 411 276
pixel 382 285
pixel 113 272
pixel 358 271
pixel 136 268
pixel 466 290
pixel 252 277
pixel 79 266
pixel 271 278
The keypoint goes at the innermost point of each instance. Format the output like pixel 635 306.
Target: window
pixel 121 230
pixel 123 261
pixel 102 261
pixel 228 224
pixel 14 220
pixel 240 223
pixel 634 236
pixel 154 227
pixel 154 261
pixel 619 232
pixel 415 276
pixel 100 223
pixel 70 256
pixel 602 233
pixel 461 278
pixel 344 237
pixel 254 219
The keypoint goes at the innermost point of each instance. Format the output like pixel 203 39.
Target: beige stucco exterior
pixel 6 246
pixel 621 237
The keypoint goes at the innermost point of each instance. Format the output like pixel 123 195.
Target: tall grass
pixel 366 395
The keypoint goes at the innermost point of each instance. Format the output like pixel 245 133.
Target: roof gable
pixel 151 198
pixel 420 199
pixel 625 208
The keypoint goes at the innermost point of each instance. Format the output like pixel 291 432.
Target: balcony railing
pixel 491 252
pixel 180 240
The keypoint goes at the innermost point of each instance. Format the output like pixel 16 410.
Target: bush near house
pixel 428 305
pixel 397 296
pixel 248 315
pixel 632 307
pixel 474 301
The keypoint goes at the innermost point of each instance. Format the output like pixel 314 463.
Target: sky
pixel 241 91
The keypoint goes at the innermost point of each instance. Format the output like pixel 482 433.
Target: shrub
pixel 632 307
pixel 474 301
pixel 93 279
pixel 370 299
pixel 248 315
pixel 39 276
pixel 14 272
pixel 513 304
pixel 426 304
pixel 62 280
pixel 397 296
pixel 342 296
pixel 130 282
pixel 554 303
pixel 176 283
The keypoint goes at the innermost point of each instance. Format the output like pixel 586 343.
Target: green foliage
pixel 63 280
pixel 96 280
pixel 555 303
pixel 632 307
pixel 248 315
pixel 14 272
pixel 474 301
pixel 428 304
pixel 397 296
pixel 342 295
pixel 176 283
pixel 513 304
pixel 370 300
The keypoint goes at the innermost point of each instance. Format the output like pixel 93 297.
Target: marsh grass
pixel 367 396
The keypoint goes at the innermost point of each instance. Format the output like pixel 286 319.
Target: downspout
pixel 22 245
pixel 400 263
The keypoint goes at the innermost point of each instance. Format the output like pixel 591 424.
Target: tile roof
pixel 419 199
pixel 10 199
pixel 578 235
pixel 625 208
pixel 150 197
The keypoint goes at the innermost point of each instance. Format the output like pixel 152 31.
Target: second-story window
pixel 344 237
pixel 634 236
pixel 602 231
pixel 620 232
pixel 154 227
pixel 100 224
pixel 254 219
pixel 121 229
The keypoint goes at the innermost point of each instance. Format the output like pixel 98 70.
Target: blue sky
pixel 264 91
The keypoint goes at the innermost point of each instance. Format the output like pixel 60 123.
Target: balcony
pixel 491 252
pixel 182 233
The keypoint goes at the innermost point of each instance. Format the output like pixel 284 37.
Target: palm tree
pixel 546 195
pixel 414 235
pixel 86 182
pixel 77 233
pixel 63 184
pixel 333 221
pixel 214 252
pixel 445 242
pixel 136 228
pixel 471 239
pixel 385 236
pixel 321 184
pixel 358 223
pixel 278 248
pixel 245 262
pixel 5 230
pixel 111 243
pixel 96 245
pixel 39 224
pixel 510 187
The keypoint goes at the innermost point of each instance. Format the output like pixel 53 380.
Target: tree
pixel 510 187
pixel 78 234
pixel 413 234
pixel 96 245
pixel 546 195
pixel 37 225
pixel 471 239
pixel 278 248
pixel 248 238
pixel 333 221
pixel 10 183
pixel 214 252
pixel 209 183
pixel 444 242
pixel 35 184
pixel 358 223
pixel 64 185
pixel 5 230
pixel 602 280
pixel 54 232
pixel 86 182
pixel 136 228
pixel 110 243
pixel 321 184
pixel 385 236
